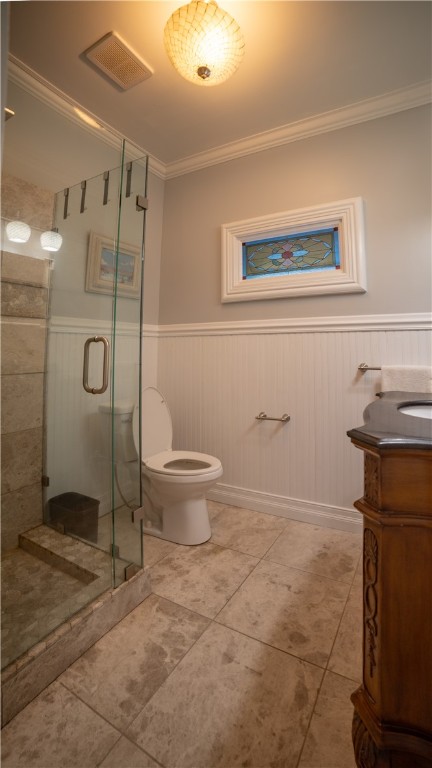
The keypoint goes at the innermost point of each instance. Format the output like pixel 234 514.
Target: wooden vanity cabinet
pixel 392 724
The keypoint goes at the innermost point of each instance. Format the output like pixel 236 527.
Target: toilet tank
pixel 124 446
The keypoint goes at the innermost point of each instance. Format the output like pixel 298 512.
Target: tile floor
pixel 51 576
pixel 245 654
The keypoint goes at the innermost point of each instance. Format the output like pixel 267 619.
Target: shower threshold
pixel 46 580
pixel 33 670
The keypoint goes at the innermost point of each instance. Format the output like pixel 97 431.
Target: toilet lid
pixel 156 423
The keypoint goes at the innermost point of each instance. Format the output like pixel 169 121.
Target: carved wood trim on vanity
pixel 370 597
pixel 365 750
pixel 392 724
pixel 368 755
pixel 372 479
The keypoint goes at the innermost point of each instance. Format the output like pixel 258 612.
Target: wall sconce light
pixel 203 42
pixel 18 231
pixel 51 240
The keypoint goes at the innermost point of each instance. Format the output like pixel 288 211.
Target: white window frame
pixel 347 215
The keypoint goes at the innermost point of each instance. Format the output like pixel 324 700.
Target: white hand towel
pixel 406 378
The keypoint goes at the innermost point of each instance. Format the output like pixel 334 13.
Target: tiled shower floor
pixel 34 595
pixel 245 654
pixel 40 592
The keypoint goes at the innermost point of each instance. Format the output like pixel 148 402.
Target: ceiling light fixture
pixel 51 240
pixel 204 43
pixel 18 231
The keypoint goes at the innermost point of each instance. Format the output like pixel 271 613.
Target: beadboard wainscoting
pixel 218 377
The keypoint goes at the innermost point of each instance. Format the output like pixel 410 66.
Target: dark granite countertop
pixel 387 427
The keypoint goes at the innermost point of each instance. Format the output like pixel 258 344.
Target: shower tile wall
pixel 27 202
pixel 24 304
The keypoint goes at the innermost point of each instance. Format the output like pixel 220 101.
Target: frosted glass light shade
pixel 51 240
pixel 203 42
pixel 18 231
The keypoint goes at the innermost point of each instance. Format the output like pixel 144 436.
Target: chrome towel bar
pixel 363 367
pixel 263 417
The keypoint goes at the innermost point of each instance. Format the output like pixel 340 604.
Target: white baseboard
pixel 341 518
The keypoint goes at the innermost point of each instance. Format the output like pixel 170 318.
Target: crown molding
pixel 53 97
pixel 369 109
pixel 390 103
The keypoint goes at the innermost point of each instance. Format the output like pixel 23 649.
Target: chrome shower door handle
pixel 105 342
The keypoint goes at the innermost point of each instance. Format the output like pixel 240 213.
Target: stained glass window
pixel 294 253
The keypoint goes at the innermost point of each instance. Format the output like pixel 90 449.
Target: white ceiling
pixel 302 59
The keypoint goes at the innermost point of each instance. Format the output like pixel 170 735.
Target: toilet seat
pixel 156 442
pixel 182 463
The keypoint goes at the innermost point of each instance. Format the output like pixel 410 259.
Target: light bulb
pixel 51 240
pixel 18 231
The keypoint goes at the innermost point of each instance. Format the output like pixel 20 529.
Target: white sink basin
pixel 420 410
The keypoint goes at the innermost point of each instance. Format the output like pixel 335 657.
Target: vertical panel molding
pixel 217 377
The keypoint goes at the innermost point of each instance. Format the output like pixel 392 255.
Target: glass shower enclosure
pixel 71 537
pixel 92 468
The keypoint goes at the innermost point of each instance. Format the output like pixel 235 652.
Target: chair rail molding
pixel 418 321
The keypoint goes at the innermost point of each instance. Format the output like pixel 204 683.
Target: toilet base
pixel 186 522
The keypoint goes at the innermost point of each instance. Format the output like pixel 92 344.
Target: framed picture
pixel 305 252
pixel 101 267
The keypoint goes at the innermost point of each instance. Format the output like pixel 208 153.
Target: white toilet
pixel 174 483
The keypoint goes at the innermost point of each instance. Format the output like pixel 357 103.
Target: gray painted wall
pixel 386 161
pixel 153 245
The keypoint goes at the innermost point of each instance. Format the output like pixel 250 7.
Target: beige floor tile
pixel 120 673
pixel 346 656
pixel 156 549
pixel 324 551
pixel 127 755
pixel 230 702
pixel 358 576
pixel 31 592
pixel 290 609
pixel 127 536
pixel 214 507
pixel 328 743
pixel 201 578
pixel 56 729
pixel 195 695
pixel 245 530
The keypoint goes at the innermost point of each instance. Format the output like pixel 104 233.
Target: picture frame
pixel 294 276
pixel 101 267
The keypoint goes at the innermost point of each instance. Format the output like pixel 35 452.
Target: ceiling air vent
pixel 116 60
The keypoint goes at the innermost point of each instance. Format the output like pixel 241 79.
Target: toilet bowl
pixel 174 483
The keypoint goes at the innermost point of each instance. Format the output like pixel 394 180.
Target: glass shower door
pixel 92 381
pixel 127 361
